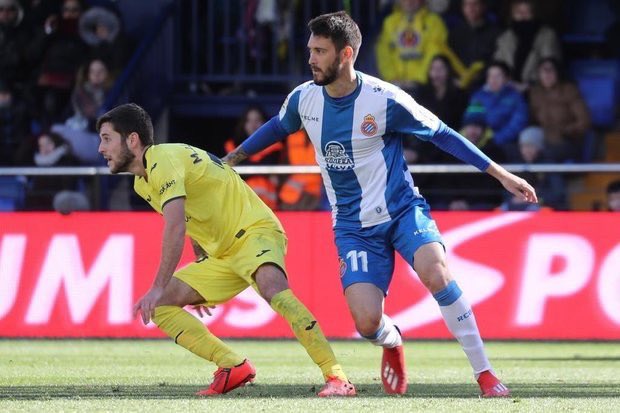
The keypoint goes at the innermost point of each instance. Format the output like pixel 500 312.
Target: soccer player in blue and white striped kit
pixel 356 123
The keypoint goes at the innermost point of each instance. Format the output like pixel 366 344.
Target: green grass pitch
pixel 156 375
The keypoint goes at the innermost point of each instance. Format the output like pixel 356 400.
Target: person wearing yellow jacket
pixel 410 37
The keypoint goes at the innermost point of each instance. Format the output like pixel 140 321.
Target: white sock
pixel 461 322
pixel 387 335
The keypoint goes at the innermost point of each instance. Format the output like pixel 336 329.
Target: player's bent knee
pixel 368 328
pixel 367 324
pixel 179 294
pixel 270 280
pixel 434 277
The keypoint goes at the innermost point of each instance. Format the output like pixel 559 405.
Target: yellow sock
pixel 187 331
pixel 308 333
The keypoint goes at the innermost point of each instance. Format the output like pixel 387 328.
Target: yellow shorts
pixel 218 279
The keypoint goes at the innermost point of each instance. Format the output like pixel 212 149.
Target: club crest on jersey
pixel 336 158
pixel 369 126
pixel 343 266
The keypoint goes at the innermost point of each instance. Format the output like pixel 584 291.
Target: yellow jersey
pixel 219 205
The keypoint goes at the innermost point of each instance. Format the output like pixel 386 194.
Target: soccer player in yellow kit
pixel 244 244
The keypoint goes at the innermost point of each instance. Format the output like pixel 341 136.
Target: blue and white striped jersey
pixel 358 145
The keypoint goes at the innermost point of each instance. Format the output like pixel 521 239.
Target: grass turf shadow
pixel 174 391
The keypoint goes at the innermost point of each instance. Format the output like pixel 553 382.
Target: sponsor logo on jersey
pixel 343 266
pixel 369 126
pixel 432 228
pixel 310 118
pixel 336 158
pixel 164 187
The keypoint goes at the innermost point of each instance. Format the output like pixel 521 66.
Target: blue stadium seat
pixel 12 193
pixel 587 20
pixel 599 83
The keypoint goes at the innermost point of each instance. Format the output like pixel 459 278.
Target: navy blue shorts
pixel 367 254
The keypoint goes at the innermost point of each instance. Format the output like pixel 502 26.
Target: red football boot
pixel 229 378
pixel 393 370
pixel 491 386
pixel 335 387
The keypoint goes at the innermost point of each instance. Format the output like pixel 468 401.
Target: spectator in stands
pixel 300 192
pixel 101 30
pixel 525 42
pixel 92 85
pixel 613 196
pixel 36 12
pixel 476 130
pixel 550 187
pixel 265 186
pixel 504 107
pixel 557 106
pixel 53 150
pixel 62 51
pixel 441 94
pixel 473 40
pixel 14 39
pixel 14 124
pixel 409 39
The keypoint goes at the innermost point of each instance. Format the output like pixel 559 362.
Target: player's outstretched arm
pixel 235 157
pixel 268 134
pixel 513 184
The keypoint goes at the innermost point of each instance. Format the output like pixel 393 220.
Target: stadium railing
pixel 98 191
pixel 313 169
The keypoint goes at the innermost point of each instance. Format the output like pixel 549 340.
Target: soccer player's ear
pixel 348 53
pixel 133 140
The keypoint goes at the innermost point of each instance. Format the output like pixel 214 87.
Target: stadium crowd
pixel 494 70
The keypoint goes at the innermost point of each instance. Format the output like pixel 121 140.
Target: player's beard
pixel 329 75
pixel 125 159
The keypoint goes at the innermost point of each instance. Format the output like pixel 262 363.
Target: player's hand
pixel 203 309
pixel 519 187
pixel 146 305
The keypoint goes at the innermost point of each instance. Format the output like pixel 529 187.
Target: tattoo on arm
pixel 235 157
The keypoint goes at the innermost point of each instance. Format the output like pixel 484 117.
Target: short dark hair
pixel 613 187
pixel 555 62
pixel 340 28
pixel 128 118
pixel 443 59
pixel 501 65
pixel 56 138
pixel 239 132
pixel 530 3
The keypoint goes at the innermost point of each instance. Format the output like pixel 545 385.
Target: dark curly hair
pixel 129 118
pixel 340 28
